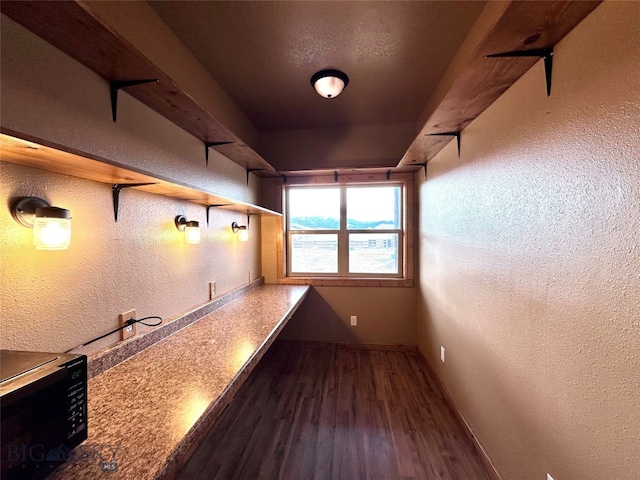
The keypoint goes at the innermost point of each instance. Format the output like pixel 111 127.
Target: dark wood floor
pixel 310 412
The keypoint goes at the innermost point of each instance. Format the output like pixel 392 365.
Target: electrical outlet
pixel 442 354
pixel 250 276
pixel 354 320
pixel 130 330
pixel 212 290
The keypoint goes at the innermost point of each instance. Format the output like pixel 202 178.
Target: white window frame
pixel 404 278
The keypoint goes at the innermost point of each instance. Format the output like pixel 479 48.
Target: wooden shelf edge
pixel 102 49
pixel 32 152
pixel 472 89
pixel 480 81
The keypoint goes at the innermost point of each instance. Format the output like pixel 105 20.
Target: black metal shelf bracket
pixel 115 190
pixel 207 145
pixel 213 206
pixel 249 170
pixel 449 134
pixel 422 165
pixel 116 85
pixel 545 53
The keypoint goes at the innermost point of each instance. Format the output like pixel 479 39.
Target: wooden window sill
pixel 346 282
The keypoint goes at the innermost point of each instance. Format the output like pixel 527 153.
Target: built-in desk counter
pixel 149 412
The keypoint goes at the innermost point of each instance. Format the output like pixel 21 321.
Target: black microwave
pixel 43 403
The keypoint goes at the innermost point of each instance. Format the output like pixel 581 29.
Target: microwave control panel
pixel 77 399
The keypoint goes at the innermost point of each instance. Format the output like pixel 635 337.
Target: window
pixel 352 232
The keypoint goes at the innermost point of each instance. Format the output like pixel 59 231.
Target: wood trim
pixel 382 171
pixel 410 222
pixel 73 28
pixel 474 82
pixel 32 152
pixel 407 279
pixel 347 282
pixel 344 179
pixel 482 452
pixel 280 251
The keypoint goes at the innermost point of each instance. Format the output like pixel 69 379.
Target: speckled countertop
pixel 149 412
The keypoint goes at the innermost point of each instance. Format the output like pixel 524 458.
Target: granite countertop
pixel 149 412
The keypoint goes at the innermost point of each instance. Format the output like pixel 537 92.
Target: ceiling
pixel 264 53
pixel 419 72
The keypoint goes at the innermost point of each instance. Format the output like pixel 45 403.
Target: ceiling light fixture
pixel 329 83
pixel 51 225
pixel 191 229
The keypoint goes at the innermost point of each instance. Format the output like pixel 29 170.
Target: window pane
pixel 373 208
pixel 314 209
pixel 314 253
pixel 373 253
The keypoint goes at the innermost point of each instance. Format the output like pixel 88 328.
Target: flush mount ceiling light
pixel 191 229
pixel 329 83
pixel 51 225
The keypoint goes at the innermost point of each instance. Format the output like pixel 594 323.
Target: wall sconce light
pixel 191 229
pixel 242 231
pixel 329 83
pixel 51 225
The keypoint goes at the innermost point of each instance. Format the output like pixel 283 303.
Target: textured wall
pixel 530 263
pixel 385 315
pixel 56 300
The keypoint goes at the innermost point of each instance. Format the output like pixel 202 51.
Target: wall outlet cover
pixel 129 331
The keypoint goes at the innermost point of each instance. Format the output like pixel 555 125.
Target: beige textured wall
pixel 56 300
pixel 530 262
pixel 385 315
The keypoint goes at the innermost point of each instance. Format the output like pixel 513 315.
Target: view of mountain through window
pixel 314 209
pixel 346 230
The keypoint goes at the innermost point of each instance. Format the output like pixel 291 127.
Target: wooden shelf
pixel 31 152
pixel 479 81
pixel 97 46
pixel 472 85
